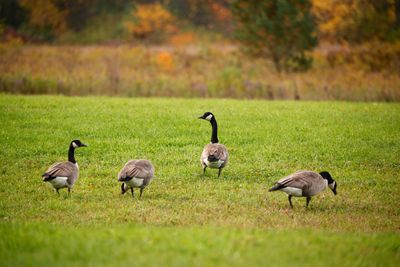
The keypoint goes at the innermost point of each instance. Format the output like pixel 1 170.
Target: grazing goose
pixel 64 174
pixel 136 173
pixel 214 155
pixel 305 184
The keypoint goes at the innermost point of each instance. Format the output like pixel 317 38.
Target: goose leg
pixel 141 192
pixel 69 191
pixel 290 201
pixel 308 201
pixel 133 195
pixel 58 193
pixel 219 171
pixel 204 170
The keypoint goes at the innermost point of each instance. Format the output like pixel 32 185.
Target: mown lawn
pixel 184 219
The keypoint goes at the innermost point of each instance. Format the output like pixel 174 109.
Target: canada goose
pixel 136 173
pixel 305 184
pixel 64 174
pixel 214 155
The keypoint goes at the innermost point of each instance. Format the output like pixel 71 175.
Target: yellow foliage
pixel 333 16
pixel 151 19
pixel 337 18
pixel 165 61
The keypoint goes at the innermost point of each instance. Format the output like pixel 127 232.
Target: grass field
pixel 182 219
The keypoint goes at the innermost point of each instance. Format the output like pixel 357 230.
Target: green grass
pixel 132 245
pixel 184 219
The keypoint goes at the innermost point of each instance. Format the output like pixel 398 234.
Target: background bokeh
pixel 286 49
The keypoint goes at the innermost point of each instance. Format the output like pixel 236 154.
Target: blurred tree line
pixel 47 20
pixel 283 30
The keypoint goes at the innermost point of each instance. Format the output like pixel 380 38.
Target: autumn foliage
pixel 46 16
pixel 151 21
pixel 357 21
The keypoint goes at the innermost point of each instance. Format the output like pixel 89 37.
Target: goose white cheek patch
pixel 74 145
pixel 332 185
pixel 209 117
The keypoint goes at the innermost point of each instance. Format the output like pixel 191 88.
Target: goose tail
pixel 212 158
pixel 276 187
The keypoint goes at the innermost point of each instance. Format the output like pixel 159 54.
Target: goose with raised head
pixel 214 155
pixel 305 184
pixel 64 174
pixel 136 173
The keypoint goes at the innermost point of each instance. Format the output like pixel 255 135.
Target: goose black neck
pixel 71 153
pixel 214 134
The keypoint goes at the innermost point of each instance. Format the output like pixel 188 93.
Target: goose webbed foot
pixel 219 171
pixel 69 191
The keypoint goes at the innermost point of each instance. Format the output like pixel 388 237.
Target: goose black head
pixel 207 116
pixel 77 143
pixel 331 183
pixel 123 189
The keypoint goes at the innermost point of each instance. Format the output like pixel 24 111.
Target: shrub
pixel 151 22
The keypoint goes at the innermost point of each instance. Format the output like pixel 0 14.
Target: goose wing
pixel 136 168
pixel 302 180
pixel 61 169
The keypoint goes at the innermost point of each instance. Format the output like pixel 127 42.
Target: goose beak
pixel 83 145
pixel 334 191
pixel 201 117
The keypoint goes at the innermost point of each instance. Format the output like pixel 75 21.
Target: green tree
pixel 282 30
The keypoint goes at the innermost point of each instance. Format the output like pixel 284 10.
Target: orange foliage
pixel 182 39
pixel 165 61
pixel 151 19
pixel 220 12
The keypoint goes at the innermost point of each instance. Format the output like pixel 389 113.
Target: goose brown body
pixel 217 152
pixel 65 169
pixel 214 155
pixel 136 173
pixel 305 184
pixel 64 174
